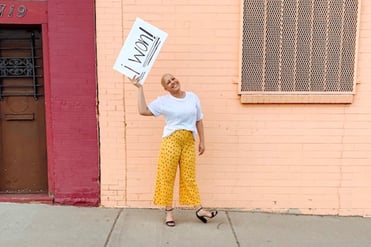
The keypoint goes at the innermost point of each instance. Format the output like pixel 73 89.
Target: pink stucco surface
pixel 300 158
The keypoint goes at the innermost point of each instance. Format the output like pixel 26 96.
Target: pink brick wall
pixel 311 159
pixel 71 103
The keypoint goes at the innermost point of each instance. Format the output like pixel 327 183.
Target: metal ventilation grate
pixel 299 45
pixel 21 72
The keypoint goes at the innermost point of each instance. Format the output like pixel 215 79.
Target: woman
pixel 183 116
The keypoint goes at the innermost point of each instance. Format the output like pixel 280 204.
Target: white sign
pixel 140 50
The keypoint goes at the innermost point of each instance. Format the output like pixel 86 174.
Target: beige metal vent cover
pixel 299 46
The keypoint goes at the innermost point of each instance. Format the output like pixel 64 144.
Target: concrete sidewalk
pixel 44 225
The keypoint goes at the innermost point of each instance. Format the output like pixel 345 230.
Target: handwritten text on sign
pixel 140 50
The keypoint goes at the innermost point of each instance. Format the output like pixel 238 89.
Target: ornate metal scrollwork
pixel 20 67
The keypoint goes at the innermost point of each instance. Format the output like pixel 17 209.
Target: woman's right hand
pixel 135 81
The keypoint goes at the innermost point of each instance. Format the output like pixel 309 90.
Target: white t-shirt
pixel 179 113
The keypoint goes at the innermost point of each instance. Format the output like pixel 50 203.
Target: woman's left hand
pixel 201 149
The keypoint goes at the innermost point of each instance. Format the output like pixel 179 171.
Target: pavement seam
pixel 113 227
pixel 233 231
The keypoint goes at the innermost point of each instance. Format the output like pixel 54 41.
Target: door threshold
pixel 26 198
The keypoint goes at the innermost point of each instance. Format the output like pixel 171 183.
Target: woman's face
pixel 170 83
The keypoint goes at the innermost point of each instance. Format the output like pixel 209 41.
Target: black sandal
pixel 203 218
pixel 169 223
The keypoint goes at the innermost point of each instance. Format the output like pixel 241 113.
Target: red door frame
pixel 71 179
pixel 48 118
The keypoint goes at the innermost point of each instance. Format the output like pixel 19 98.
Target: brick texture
pixel 294 158
pixel 72 112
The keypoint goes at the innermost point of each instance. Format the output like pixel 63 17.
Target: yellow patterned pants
pixel 178 149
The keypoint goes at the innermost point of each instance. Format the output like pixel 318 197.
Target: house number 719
pixel 10 11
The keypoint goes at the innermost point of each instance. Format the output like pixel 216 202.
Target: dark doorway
pixel 23 161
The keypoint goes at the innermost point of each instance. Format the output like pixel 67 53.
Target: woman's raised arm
pixel 142 105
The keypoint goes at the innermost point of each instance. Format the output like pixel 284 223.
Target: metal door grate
pixel 299 45
pixel 20 63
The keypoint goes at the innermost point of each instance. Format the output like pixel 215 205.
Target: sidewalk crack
pixel 233 231
pixel 113 227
